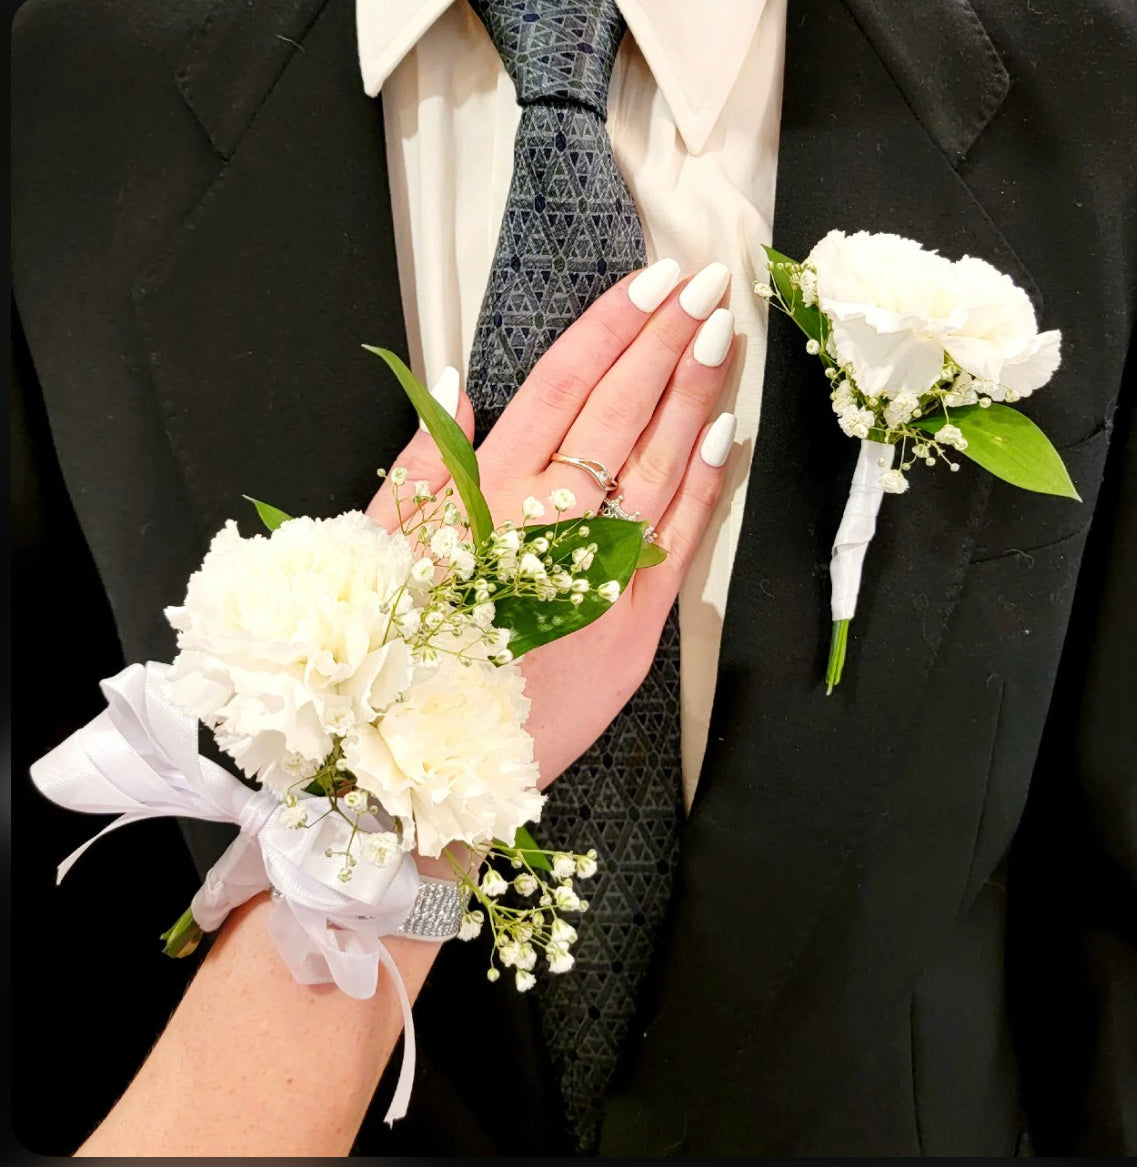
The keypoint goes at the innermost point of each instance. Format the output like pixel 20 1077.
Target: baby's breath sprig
pixel 379 839
pixel 523 931
pixel 457 586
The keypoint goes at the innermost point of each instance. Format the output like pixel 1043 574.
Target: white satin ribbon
pixel 858 525
pixel 139 759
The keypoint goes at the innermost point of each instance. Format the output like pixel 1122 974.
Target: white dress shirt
pixel 693 114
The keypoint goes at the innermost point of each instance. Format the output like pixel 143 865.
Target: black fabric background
pixel 184 327
pixel 90 991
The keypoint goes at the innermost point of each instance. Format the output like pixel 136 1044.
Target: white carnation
pixel 897 308
pixel 453 756
pixel 281 639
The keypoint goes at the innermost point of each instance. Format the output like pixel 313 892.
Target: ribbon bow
pixel 139 759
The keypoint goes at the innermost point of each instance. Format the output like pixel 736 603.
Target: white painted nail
pixel 720 437
pixel 713 340
pixel 653 285
pixel 445 391
pixel 701 296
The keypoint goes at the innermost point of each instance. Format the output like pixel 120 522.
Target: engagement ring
pixel 597 471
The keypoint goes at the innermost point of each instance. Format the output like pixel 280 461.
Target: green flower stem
pixel 184 936
pixel 837 644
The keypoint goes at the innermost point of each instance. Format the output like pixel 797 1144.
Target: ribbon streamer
pixel 858 525
pixel 139 759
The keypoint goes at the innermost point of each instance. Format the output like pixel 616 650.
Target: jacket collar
pixel 938 55
pixel 694 52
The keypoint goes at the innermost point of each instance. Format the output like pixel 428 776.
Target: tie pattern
pixel 570 231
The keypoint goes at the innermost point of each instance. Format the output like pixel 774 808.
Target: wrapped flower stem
pixel 858 525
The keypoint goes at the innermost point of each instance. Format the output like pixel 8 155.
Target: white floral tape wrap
pixel 139 759
pixel 858 525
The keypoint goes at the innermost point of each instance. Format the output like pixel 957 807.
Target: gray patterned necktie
pixel 570 231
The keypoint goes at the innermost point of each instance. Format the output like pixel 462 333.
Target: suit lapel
pixel 790 824
pixel 255 315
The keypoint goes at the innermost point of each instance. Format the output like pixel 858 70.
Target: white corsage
pixel 925 358
pixel 366 684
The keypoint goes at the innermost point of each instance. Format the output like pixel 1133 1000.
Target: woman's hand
pixel 622 386
pixel 630 389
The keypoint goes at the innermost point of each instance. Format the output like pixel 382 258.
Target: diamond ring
pixel 597 471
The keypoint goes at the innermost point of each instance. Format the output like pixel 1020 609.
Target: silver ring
pixel 650 534
pixel 597 471
pixel 610 508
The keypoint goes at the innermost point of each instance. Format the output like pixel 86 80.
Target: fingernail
pixel 713 340
pixel 720 437
pixel 445 391
pixel 653 285
pixel 701 296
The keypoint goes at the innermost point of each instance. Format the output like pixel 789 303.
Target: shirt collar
pixel 694 51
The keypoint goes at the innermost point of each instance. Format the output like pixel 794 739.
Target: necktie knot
pixel 556 50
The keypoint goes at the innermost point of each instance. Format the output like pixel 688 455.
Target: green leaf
pixel 271 516
pixel 651 555
pixel 456 450
pixel 807 317
pixel 524 846
pixel 1010 446
pixel 534 622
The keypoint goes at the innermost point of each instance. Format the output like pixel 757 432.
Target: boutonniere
pixel 926 359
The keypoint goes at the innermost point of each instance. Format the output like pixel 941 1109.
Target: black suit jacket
pixel 878 943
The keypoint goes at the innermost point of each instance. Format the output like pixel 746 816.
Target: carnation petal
pixel 899 363
pixel 370 760
pixel 1034 367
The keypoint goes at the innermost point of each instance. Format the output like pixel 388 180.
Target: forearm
pixel 252 1063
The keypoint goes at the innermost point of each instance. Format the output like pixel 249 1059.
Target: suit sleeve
pixel 1072 883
